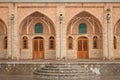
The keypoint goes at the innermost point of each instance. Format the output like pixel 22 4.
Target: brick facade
pixel 26 15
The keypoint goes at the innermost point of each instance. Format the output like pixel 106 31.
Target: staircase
pixel 64 71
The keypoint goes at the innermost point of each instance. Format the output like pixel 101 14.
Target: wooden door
pixel 82 45
pixel 38 48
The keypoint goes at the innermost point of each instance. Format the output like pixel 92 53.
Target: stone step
pixel 58 66
pixel 64 74
pixel 65 78
pixel 63 71
pixel 63 68
pixel 65 65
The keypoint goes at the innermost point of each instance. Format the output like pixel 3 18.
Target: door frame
pixel 87 46
pixel 33 46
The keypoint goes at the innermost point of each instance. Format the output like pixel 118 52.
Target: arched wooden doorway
pixel 38 48
pixel 82 48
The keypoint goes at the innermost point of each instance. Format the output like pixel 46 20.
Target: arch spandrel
pixel 3 27
pixel 76 26
pixel 29 22
pixel 117 28
pixel 31 27
pixel 88 18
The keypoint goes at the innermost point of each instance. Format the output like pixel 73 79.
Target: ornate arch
pixel 70 42
pixel 24 42
pixel 36 17
pixel 52 42
pixel 117 27
pixel 87 17
pixel 3 27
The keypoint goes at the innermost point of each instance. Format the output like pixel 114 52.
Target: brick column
pixel 105 47
pixel 16 35
pixel 57 34
pixel 108 33
pixel 13 46
pixel 111 35
pixel 64 27
pixel 62 53
pixel 9 31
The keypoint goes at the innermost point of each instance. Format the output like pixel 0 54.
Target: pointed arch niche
pixel 116 40
pixel 3 40
pixel 37 24
pixel 28 24
pixel 87 25
pixel 94 25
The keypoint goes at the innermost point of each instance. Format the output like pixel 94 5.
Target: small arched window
pixel 38 28
pixel 70 43
pixel 25 42
pixel 82 28
pixel 95 42
pixel 115 43
pixel 5 43
pixel 51 43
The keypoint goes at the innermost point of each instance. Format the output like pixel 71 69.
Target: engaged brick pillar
pixel 109 30
pixel 60 37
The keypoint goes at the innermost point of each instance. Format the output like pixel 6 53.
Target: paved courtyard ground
pixel 31 77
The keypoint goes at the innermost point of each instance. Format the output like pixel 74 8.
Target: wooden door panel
pixel 35 45
pixel 85 45
pixel 40 55
pixel 80 54
pixel 82 48
pixel 41 49
pixel 79 45
pixel 35 50
pixel 38 48
pixel 41 45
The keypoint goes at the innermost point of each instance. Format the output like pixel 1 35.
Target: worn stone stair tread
pixel 51 74
pixel 64 71
pixel 69 77
pixel 46 68
pixel 87 76
pixel 63 74
pixel 52 71
pixel 64 66
pixel 55 71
